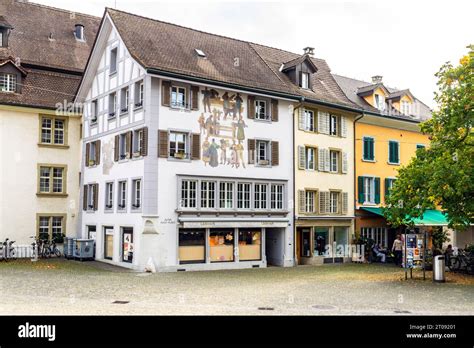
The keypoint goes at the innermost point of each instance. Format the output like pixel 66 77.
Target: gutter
pixel 299 105
pixel 355 171
pixel 249 89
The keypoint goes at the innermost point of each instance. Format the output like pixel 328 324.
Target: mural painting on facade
pixel 222 129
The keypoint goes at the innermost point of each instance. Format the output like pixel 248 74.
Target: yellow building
pixel 42 53
pixel 387 136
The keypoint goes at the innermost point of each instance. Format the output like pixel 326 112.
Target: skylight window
pixel 200 53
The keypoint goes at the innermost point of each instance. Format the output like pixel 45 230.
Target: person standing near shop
pixel 397 250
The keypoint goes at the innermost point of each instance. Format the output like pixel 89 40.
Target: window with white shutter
pixel 301 157
pixel 301 119
pixel 323 122
pixel 344 163
pixel 345 203
pixel 327 160
pixel 301 201
pixel 343 127
pixel 321 160
pixel 323 202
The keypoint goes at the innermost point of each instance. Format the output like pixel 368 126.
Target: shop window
pixel 192 246
pixel 108 243
pixel 340 238
pixel 127 244
pixel 250 241
pixel 305 242
pixel 377 234
pixel 321 240
pixel 221 245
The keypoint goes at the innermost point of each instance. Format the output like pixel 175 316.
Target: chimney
pixel 376 79
pixel 79 32
pixel 309 51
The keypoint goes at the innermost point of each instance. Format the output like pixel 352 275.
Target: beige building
pixel 43 52
pixel 324 183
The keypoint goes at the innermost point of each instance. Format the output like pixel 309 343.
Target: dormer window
pixel 304 83
pixel 5 29
pixel 7 83
pixel 405 107
pixel 379 102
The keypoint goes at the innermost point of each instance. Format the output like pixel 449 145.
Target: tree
pixel 442 174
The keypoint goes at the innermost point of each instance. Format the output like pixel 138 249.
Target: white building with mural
pixel 188 143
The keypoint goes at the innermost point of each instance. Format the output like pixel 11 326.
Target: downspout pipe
pixel 355 172
pixel 299 105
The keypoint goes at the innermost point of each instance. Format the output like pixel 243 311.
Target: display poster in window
pixel 128 246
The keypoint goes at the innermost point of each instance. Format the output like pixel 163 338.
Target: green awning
pixel 431 217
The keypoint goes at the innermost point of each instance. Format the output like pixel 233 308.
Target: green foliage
pixel 440 236
pixel 442 174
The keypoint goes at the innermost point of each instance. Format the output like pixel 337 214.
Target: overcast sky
pixel 404 41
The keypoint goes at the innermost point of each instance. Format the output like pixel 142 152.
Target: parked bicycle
pixel 8 250
pixel 463 262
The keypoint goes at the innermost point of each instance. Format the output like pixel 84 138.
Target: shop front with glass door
pixel 220 245
pixel 108 243
pixel 323 243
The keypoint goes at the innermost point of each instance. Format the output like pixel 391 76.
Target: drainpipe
pixel 355 172
pixel 299 105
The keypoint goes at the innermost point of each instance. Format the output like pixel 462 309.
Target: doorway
pixel 275 246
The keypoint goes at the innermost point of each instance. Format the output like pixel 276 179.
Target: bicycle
pixel 53 249
pixel 463 262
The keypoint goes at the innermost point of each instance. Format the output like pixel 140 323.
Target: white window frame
pixel 334 197
pixel 189 200
pixel 260 196
pixel 310 153
pixel 138 138
pixel 260 105
pixel 207 194
pixel 113 62
pixel 136 200
pixel 333 125
pixel 310 201
pixel 90 197
pixel 123 146
pixel 369 189
pixel 112 110
pixel 178 90
pixel 334 165
pixel 277 196
pixel 305 80
pixel 244 195
pixel 124 100
pixel 186 154
pixel 109 196
pixel 266 151
pixel 379 101
pixel 226 194
pixel 8 82
pixel 309 124
pixel 122 195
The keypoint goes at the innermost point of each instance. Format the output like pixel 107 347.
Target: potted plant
pixel 91 162
pixel 179 155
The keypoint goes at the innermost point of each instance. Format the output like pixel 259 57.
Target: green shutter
pixel 396 147
pixel 393 152
pixel 366 148
pixel 387 183
pixel 377 190
pixel 361 189
pixel 371 149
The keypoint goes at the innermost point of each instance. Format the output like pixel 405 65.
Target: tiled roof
pixel 353 87
pixel 42 40
pixel 171 48
pixel 32 25
pixel 43 89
